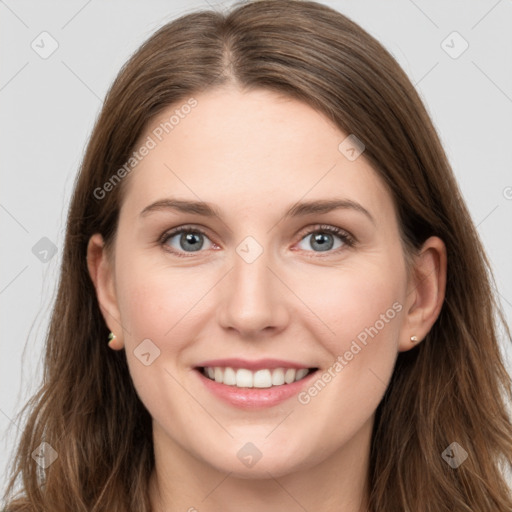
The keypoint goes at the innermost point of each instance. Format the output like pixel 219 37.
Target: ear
pixel 425 296
pixel 101 270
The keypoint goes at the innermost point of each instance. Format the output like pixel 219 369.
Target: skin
pixel 253 155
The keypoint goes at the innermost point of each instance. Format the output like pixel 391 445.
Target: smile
pixel 263 378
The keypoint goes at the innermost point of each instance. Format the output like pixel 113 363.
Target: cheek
pixel 362 306
pixel 361 311
pixel 154 299
pixel 354 303
pixel 146 308
pixel 157 304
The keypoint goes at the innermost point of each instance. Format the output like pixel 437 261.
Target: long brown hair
pixel 453 387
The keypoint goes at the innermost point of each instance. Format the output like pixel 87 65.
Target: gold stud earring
pixel 111 337
pixel 414 339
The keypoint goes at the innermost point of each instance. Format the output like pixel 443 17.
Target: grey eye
pixel 188 241
pixel 321 241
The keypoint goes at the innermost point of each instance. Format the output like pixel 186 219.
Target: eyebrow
pixel 297 210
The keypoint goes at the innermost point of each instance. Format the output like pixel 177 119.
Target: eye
pixel 324 238
pixel 185 239
pixel 190 239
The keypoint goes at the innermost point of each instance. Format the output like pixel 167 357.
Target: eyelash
pixel 347 239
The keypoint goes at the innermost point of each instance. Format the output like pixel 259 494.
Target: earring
pixel 414 339
pixel 111 337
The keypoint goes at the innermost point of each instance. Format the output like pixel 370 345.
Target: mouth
pixel 262 378
pixel 254 384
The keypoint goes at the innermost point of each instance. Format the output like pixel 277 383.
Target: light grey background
pixel 49 105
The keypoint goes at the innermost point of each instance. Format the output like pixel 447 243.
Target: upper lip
pixel 260 364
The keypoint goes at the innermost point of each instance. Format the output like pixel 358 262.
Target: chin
pixel 249 464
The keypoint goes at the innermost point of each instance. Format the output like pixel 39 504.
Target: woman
pixel 299 312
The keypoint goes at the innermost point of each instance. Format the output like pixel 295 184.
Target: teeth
pixel 277 377
pixel 243 378
pixel 289 376
pixel 262 379
pixel 229 377
pixel 301 373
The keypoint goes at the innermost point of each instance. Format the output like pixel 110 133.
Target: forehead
pixel 248 150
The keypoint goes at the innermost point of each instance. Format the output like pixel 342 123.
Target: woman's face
pixel 264 283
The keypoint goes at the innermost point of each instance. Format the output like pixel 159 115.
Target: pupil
pixel 192 239
pixel 324 241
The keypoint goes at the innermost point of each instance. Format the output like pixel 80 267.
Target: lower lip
pixel 255 398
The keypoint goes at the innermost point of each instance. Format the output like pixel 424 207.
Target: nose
pixel 254 300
